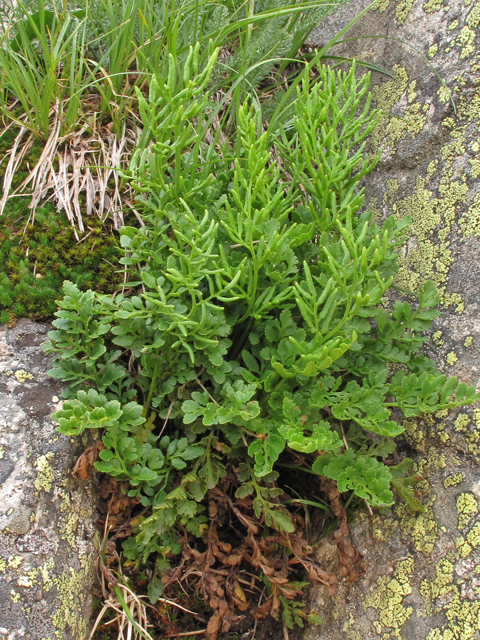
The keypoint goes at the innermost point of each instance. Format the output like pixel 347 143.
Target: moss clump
pixel 34 264
pixel 33 267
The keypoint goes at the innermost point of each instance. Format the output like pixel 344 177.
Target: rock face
pixel 48 539
pixel 422 570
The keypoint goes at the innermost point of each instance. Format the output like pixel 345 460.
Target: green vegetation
pixel 69 108
pixel 224 318
pixel 37 255
pixel 256 338
pixel 31 284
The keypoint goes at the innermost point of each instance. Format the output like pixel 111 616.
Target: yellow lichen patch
pixel 69 526
pixel 442 585
pixel 444 94
pixel 425 257
pixel 351 634
pixel 402 10
pixel 428 254
pixel 14 596
pixel 466 41
pixel 473 18
pixel 14 561
pixel 433 461
pixel 25 581
pixel 421 528
pixel 441 433
pixel 70 587
pixel 432 5
pixel 453 480
pixel 22 376
pixel 387 600
pixel 3 565
pixel 467 507
pixel 445 595
pixel 472 436
pixel 436 337
pixel 463 548
pixel 393 127
pixel 468 341
pixel 44 572
pixel 45 477
pixel 465 545
pixel 451 358
pixel 473 536
pixel 469 223
pixel 391 188
pixel 453 149
pixel 432 50
pixel 463 618
pixel 383 528
pixel 461 422
pixel 475 167
pixel 414 434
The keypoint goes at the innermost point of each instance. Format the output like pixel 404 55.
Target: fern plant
pixel 258 327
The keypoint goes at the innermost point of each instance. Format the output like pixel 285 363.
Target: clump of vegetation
pixel 70 72
pixel 36 259
pixel 38 255
pixel 256 341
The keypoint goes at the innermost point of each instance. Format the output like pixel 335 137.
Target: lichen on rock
pixel 48 539
pixel 422 570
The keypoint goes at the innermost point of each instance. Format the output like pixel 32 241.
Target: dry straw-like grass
pixel 78 172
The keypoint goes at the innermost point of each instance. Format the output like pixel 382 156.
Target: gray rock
pixel 421 577
pixel 48 539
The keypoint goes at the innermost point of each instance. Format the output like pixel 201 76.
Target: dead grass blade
pixel 15 160
pixel 79 171
pixel 131 618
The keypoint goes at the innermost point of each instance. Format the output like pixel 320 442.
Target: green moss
pixel 33 266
